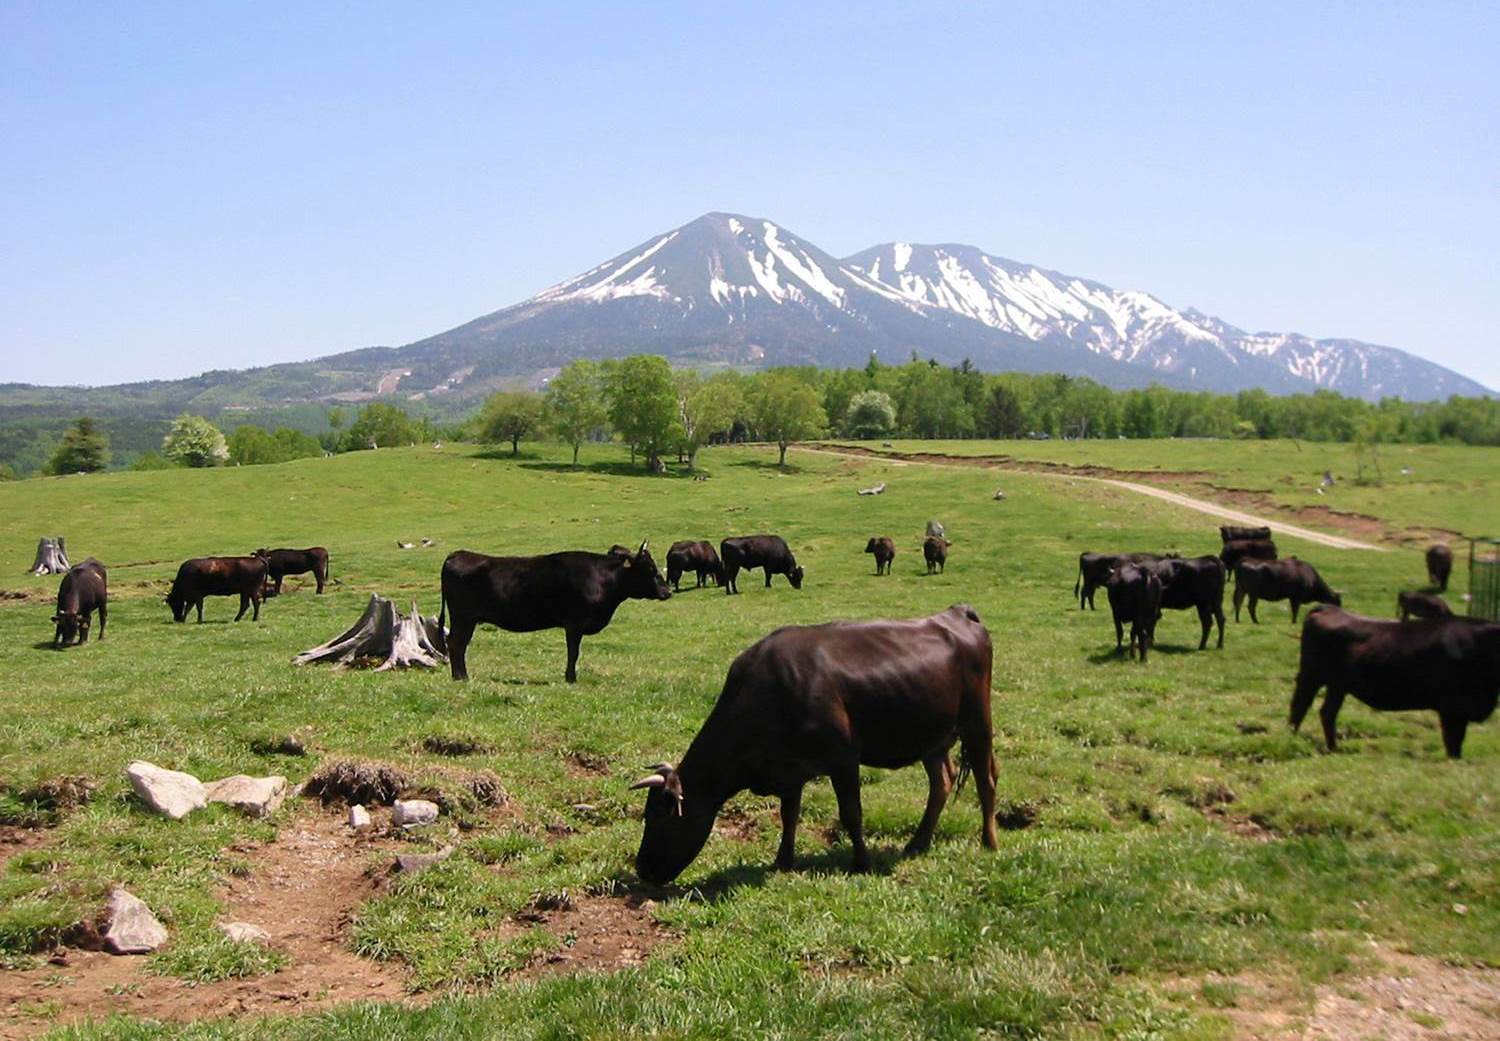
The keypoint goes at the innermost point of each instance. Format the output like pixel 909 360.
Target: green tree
pixel 194 441
pixel 509 416
pixel 575 406
pixel 1002 415
pixel 378 425
pixel 642 396
pixel 871 413
pixel 83 449
pixel 7 473
pixel 785 409
pixel 249 445
pixel 705 408
pixel 153 461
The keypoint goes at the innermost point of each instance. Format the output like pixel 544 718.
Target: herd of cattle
pixel 825 700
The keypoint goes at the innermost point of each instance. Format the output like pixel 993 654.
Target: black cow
pixel 1094 570
pixel 693 556
pixel 1439 566
pixel 84 589
pixel 1421 605
pixel 1237 550
pixel 1198 583
pixel 1291 579
pixel 884 548
pixel 1134 592
pixel 758 551
pixel 935 552
pixel 1448 665
pixel 283 562
pixel 244 577
pixel 824 700
pixel 1231 533
pixel 577 592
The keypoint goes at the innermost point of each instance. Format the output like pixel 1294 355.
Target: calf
pixel 1237 550
pixel 203 577
pixel 1450 666
pixel 577 592
pixel 1197 583
pixel 84 589
pixel 283 562
pixel 1291 579
pixel 699 557
pixel 1439 566
pixel 884 549
pixel 1094 570
pixel 769 552
pixel 1422 605
pixel 824 700
pixel 1134 592
pixel 935 552
pixel 1231 533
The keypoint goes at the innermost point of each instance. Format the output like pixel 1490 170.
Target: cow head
pixel 262 553
pixel 179 606
pixel 795 577
pixel 69 627
pixel 870 546
pixel 643 579
pixel 677 826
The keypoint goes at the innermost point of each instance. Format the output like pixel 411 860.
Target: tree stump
pixel 385 635
pixel 51 557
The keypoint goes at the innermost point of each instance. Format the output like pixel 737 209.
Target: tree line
pixel 658 412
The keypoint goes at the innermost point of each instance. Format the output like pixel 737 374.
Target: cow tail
pixel 1078 582
pixel 965 768
pixel 442 612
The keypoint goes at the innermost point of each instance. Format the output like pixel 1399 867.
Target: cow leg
pixel 1254 619
pixel 1329 714
pixel 244 606
pixel 200 610
pixel 575 640
pixel 1302 698
pixel 1119 636
pixel 1239 598
pixel 1453 734
pixel 1219 617
pixel 846 786
pixel 1295 605
pixel 1206 620
pixel 103 614
pixel 768 578
pixel 255 599
pixel 730 574
pixel 458 644
pixel 939 786
pixel 791 810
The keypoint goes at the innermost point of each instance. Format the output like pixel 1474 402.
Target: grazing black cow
pixel 1439 566
pixel 1237 550
pixel 283 562
pixel 1094 570
pixel 693 556
pixel 1134 592
pixel 824 700
pixel 1421 605
pixel 884 548
pixel 935 552
pixel 1291 579
pixel 1231 533
pixel 1198 583
pixel 244 577
pixel 1448 665
pixel 577 592
pixel 84 589
pixel 758 551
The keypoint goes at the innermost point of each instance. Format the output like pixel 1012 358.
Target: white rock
pixel 130 926
pixel 171 792
pixel 244 932
pixel 255 796
pixel 407 813
pixel 359 817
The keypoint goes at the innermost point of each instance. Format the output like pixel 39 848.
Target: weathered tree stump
pixel 51 557
pixel 384 634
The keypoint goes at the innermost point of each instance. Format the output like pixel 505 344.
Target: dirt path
pixel 1176 498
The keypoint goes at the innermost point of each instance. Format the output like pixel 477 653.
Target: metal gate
pixel 1484 578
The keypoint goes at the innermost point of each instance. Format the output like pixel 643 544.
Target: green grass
pixel 1070 930
pixel 1450 487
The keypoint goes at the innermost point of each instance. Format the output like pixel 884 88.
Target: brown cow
pixel 884 548
pixel 1134 592
pixel 935 552
pixel 202 577
pixel 824 700
pixel 1439 566
pixel 84 589
pixel 695 556
pixel 1421 605
pixel 1291 579
pixel 283 562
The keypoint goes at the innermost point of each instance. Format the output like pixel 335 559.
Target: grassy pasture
pixel 1177 829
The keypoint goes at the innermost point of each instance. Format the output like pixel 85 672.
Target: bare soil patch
pixel 597 934
pixel 15 840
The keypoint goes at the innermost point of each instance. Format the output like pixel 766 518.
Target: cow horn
pixel 650 781
pixel 643 546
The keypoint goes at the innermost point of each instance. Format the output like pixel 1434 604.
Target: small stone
pixel 584 807
pixel 408 813
pixel 1460 908
pixel 411 863
pixel 168 792
pixel 244 932
pixel 130 927
pixel 359 817
pixel 254 796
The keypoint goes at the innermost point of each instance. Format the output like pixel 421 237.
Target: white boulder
pixel 130 927
pixel 408 813
pixel 170 792
pixel 254 796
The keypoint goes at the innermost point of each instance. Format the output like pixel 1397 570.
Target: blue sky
pixel 193 187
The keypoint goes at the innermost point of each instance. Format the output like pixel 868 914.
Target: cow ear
pixel 642 550
pixel 624 561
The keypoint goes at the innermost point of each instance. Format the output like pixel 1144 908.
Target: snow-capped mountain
pixel 1135 327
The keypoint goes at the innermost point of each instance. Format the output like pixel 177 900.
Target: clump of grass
pixel 455 745
pixel 364 783
pixel 281 744
pixel 47 802
pixel 208 956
